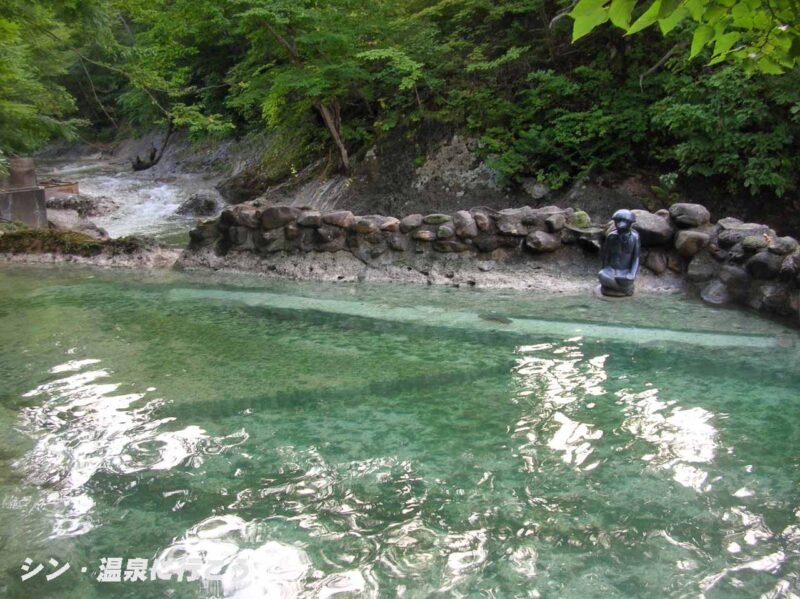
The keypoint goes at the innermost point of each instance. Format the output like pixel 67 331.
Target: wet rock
pixel 541 242
pixel 656 261
pixel 398 242
pixel 424 235
pixel 689 215
pixel 198 204
pixel 437 219
pixel 465 224
pixel 246 215
pixel 736 279
pixel 446 231
pixel 71 220
pixel 486 265
pixel 292 231
pixel 275 217
pixel 653 230
pixel 555 222
pixel 702 268
pixel 488 242
pixel 754 243
pixel 790 268
pixel 329 233
pixel 510 222
pixel 273 240
pixel 773 297
pixel 411 222
pixel 242 238
pixel 366 225
pixel 204 233
pixel 689 242
pixel 451 246
pixel 783 245
pixel 390 224
pixel 733 231
pixel 310 218
pixel 716 293
pixel 483 220
pixel 339 218
pixel 764 265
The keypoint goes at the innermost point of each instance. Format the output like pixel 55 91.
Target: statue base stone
pixel 606 292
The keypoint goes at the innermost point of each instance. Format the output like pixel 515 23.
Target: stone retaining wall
pixel 726 262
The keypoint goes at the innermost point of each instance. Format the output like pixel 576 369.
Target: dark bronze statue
pixel 620 257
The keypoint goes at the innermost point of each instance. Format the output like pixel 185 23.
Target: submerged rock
pixel 198 204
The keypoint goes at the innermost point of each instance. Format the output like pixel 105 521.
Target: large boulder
pixel 465 224
pixel 656 261
pixel 689 215
pixel 310 218
pixel 198 204
pixel 247 215
pixel 689 242
pixel 483 219
pixel 512 221
pixel 339 218
pixel 653 230
pixel 736 279
pixel 716 293
pixel 541 242
pixel 733 231
pixel 790 267
pixel 275 217
pixel 437 219
pixel 411 222
pixel 702 268
pixel 764 265
pixel 783 246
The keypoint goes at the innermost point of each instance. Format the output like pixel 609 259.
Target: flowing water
pixel 144 202
pixel 247 439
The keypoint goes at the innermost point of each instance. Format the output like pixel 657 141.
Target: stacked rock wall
pixel 726 262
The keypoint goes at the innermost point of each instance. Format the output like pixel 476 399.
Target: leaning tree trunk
pixel 332 117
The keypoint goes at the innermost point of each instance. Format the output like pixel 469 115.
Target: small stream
pixel 146 201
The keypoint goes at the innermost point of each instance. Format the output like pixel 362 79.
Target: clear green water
pixel 285 439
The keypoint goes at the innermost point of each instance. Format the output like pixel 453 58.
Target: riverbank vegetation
pixel 553 90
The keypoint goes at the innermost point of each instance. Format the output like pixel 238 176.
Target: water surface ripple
pixel 287 440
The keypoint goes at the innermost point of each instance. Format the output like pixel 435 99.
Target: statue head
pixel 623 220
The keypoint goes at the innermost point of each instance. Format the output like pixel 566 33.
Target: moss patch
pixel 36 241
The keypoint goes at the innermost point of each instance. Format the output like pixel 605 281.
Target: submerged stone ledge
pixel 724 262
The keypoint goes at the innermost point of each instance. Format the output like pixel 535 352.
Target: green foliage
pixel 744 130
pixel 32 102
pixel 760 35
pixel 326 79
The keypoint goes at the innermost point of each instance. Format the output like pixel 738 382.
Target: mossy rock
pixel 580 220
pixel 12 227
pixel 40 241
pixel 753 243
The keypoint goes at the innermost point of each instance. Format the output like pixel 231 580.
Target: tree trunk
pixel 332 121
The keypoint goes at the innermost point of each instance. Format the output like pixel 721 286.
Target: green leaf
pixel 696 8
pixel 765 65
pixel 649 17
pixel 667 8
pixel 620 12
pixel 668 24
pixel 725 42
pixel 702 35
pixel 587 14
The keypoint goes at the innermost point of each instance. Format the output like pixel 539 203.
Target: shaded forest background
pixel 326 79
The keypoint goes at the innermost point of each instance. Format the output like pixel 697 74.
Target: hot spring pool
pixel 281 439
